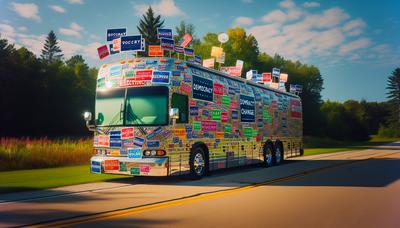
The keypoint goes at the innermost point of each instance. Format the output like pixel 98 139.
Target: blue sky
pixel 354 43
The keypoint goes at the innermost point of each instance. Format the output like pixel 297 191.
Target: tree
pixel 51 51
pixel 185 28
pixel 148 27
pixel 394 92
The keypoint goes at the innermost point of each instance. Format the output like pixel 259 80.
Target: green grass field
pixel 44 178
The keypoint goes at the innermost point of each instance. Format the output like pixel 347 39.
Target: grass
pixel 28 153
pixel 37 179
pixel 315 146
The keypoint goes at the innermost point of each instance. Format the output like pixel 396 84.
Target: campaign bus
pixel 164 116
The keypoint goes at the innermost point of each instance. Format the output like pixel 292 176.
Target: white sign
pixel 208 63
pixel 223 37
pixel 221 59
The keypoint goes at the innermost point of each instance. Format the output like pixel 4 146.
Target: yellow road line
pixel 186 200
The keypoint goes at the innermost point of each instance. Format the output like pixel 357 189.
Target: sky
pixel 355 44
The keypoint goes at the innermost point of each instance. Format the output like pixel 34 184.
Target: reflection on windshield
pixel 109 107
pixel 147 106
pixel 143 107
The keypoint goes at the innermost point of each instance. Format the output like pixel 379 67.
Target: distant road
pixel 345 189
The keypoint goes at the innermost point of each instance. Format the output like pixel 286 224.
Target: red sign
pixel 185 88
pixel 234 104
pixel 143 75
pixel 155 51
pixel 103 51
pixel 132 82
pixel 266 77
pixel 186 40
pixel 127 133
pixel 208 125
pixel 103 140
pixel 192 103
pixel 111 165
pixel 295 106
pixel 232 70
pixel 224 117
pixel 144 168
pixel 218 89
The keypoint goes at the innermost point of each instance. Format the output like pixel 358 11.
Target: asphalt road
pixel 346 189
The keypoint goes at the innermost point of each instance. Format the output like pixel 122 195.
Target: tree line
pixel 46 95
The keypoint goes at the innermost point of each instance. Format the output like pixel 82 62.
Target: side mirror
pixel 87 116
pixel 174 113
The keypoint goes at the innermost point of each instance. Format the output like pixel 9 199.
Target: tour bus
pixel 165 116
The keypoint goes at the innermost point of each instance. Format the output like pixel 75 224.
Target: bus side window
pixel 181 102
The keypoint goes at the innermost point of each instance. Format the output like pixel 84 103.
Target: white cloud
pixel 167 8
pixel 7 32
pixel 287 4
pixel 243 21
pixel 276 16
pixel 354 45
pixel 311 4
pixel 74 30
pixel 354 27
pixel 57 8
pixel 26 10
pixel 75 1
pixel 22 28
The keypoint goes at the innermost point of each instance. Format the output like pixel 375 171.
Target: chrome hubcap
pixel 269 157
pixel 278 155
pixel 198 163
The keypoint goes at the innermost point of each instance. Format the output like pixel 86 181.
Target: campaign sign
pixel 155 51
pixel 131 43
pixel 135 153
pixel 103 51
pixel 164 33
pixel 276 72
pixel 161 77
pixel 247 108
pixel 188 51
pixel 153 144
pixel 202 88
pixel 186 40
pixel 178 49
pixel 208 126
pixel 115 33
pixel 198 60
pixel 95 167
pixel 112 52
pixel 167 44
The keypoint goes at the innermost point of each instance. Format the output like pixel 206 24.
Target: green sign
pixel 216 114
pixel 265 115
pixel 248 132
pixel 270 119
pixel 255 133
pixel 135 171
pixel 228 128
pixel 122 167
pixel 196 125
pixel 129 74
pixel 226 100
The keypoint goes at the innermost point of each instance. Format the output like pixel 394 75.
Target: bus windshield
pixel 147 106
pixel 109 107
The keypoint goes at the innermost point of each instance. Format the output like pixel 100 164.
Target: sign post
pixel 222 38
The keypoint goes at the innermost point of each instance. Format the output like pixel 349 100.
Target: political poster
pixel 155 51
pixel 103 51
pixel 188 51
pixel 115 33
pixel 221 58
pixel 187 38
pixel 283 77
pixel 178 49
pixel 164 33
pixel 216 51
pixel 276 73
pixel 247 108
pixel 198 60
pixel 131 43
pixel 202 88
pixel 167 44
pixel 161 77
pixel 209 63
pixel 266 77
pixel 111 50
pixel 116 45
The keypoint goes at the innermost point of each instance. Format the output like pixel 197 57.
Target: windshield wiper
pixel 115 119
pixel 131 114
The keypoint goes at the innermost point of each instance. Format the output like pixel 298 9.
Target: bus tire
pixel 268 155
pixel 279 153
pixel 197 163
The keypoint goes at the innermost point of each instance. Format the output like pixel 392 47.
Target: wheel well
pixel 267 143
pixel 205 148
pixel 280 144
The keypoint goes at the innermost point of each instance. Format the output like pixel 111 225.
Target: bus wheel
pixel 197 163
pixel 279 156
pixel 268 155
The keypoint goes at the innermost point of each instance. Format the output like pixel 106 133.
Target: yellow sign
pixel 216 52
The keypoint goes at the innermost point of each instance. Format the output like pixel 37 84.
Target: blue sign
pixel 202 88
pixel 194 111
pixel 138 141
pixel 167 44
pixel 161 77
pixel 115 139
pixel 153 144
pixel 188 51
pixel 131 43
pixel 154 133
pixel 135 153
pixel 115 33
pixel 235 114
pixel 111 50
pixel 178 49
pixel 247 109
pixel 198 60
pixel 276 72
pixel 164 33
pixel 116 71
pixel 95 167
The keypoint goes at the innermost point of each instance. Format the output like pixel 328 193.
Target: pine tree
pixel 51 51
pixel 148 27
pixel 394 91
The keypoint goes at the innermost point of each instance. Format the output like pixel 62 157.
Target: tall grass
pixel 42 153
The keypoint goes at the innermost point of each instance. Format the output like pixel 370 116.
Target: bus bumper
pixel 130 166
